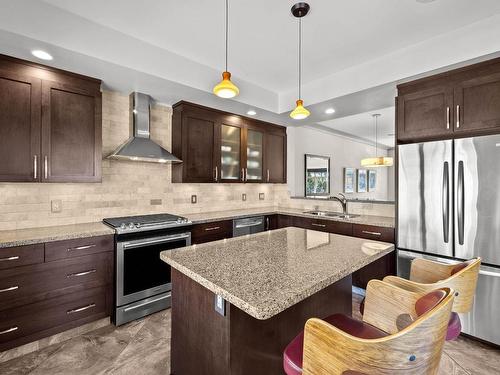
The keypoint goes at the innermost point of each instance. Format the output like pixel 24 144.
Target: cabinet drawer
pixel 330 226
pixel 22 284
pixel 78 247
pixel 373 232
pixel 11 257
pixel 21 322
pixel 213 231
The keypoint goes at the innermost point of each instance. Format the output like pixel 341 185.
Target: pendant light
pixel 300 10
pixel 377 161
pixel 226 89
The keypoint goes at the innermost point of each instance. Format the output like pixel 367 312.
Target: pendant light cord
pixel 300 55
pixel 227 26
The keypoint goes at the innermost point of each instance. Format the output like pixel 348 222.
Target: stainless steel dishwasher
pixel 248 225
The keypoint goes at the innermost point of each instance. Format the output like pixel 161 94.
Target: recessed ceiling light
pixel 251 112
pixel 329 111
pixel 42 54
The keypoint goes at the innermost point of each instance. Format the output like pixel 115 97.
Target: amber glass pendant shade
pixel 225 88
pixel 300 112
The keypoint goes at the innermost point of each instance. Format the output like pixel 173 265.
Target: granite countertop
pixel 19 237
pixel 381 221
pixel 264 274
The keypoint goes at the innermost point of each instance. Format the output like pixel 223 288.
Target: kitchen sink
pixel 331 214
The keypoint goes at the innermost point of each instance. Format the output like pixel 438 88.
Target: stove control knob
pixel 123 226
pixel 179 220
pixel 131 226
pixel 138 225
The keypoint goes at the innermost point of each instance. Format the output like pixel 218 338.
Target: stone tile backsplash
pixel 127 188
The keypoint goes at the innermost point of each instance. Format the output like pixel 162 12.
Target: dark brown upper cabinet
pixel 50 124
pixel 459 103
pixel 217 146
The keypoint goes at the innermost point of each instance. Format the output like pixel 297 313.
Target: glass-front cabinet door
pixel 254 160
pixel 230 151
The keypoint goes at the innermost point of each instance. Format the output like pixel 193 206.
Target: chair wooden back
pixel 413 350
pixel 427 275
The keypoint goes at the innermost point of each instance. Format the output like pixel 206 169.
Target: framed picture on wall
pixel 362 180
pixel 372 180
pixel 349 180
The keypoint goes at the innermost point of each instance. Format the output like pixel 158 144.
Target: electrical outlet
pixel 220 305
pixel 155 202
pixel 243 197
pixel 194 199
pixel 261 196
pixel 56 205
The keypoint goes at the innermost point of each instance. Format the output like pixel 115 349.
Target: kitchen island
pixel 237 303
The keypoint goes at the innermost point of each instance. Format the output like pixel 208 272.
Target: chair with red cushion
pixel 387 341
pixel 427 275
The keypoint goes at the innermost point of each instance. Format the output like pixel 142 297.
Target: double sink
pixel 331 214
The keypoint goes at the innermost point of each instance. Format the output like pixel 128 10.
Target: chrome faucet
pixel 343 202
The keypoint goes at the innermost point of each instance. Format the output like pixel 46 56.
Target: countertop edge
pixel 255 312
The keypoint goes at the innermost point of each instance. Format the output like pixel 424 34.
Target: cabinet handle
pixel 79 309
pixel 212 228
pixel 46 167
pixel 216 174
pixel 243 174
pixel 372 233
pixel 9 258
pixel 35 167
pixel 78 274
pixel 458 116
pixel 268 175
pixel 447 118
pixel 267 223
pixel 318 225
pixel 9 289
pixel 8 330
pixel 80 247
pixel 246 174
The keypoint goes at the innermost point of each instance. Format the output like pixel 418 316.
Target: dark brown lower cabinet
pixel 213 231
pixel 58 286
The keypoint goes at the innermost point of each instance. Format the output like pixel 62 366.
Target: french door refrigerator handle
pixel 445 202
pixel 460 202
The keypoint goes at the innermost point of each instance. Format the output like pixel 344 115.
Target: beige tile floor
pixel 143 347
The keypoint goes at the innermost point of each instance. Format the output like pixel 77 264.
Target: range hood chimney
pixel 139 146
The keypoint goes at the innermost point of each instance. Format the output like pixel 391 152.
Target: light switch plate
pixel 261 196
pixel 56 205
pixel 243 197
pixel 194 199
pixel 220 305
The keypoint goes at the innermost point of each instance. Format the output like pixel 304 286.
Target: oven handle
pixel 155 240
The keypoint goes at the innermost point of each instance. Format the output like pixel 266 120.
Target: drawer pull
pixel 78 274
pixel 9 330
pixel 9 289
pixel 9 258
pixel 80 247
pixel 372 233
pixel 212 228
pixel 80 309
pixel 318 225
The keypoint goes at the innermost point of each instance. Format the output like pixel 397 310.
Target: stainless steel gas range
pixel 143 284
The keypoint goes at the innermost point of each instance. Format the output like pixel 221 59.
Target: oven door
pixel 140 273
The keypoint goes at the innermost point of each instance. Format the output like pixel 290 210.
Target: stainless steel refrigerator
pixel 448 210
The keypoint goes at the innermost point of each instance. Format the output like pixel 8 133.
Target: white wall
pixel 343 152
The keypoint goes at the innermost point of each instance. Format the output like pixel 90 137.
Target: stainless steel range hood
pixel 139 146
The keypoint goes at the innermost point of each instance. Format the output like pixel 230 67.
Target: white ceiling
pixel 362 126
pixel 355 51
pixel 263 33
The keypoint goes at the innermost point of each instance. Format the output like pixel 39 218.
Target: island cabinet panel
pixel 50 124
pixel 222 147
pixel 378 269
pixel 213 231
pixel 463 102
pixel 206 342
pixel 58 286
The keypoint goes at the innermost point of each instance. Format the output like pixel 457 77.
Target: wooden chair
pixel 402 332
pixel 427 275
